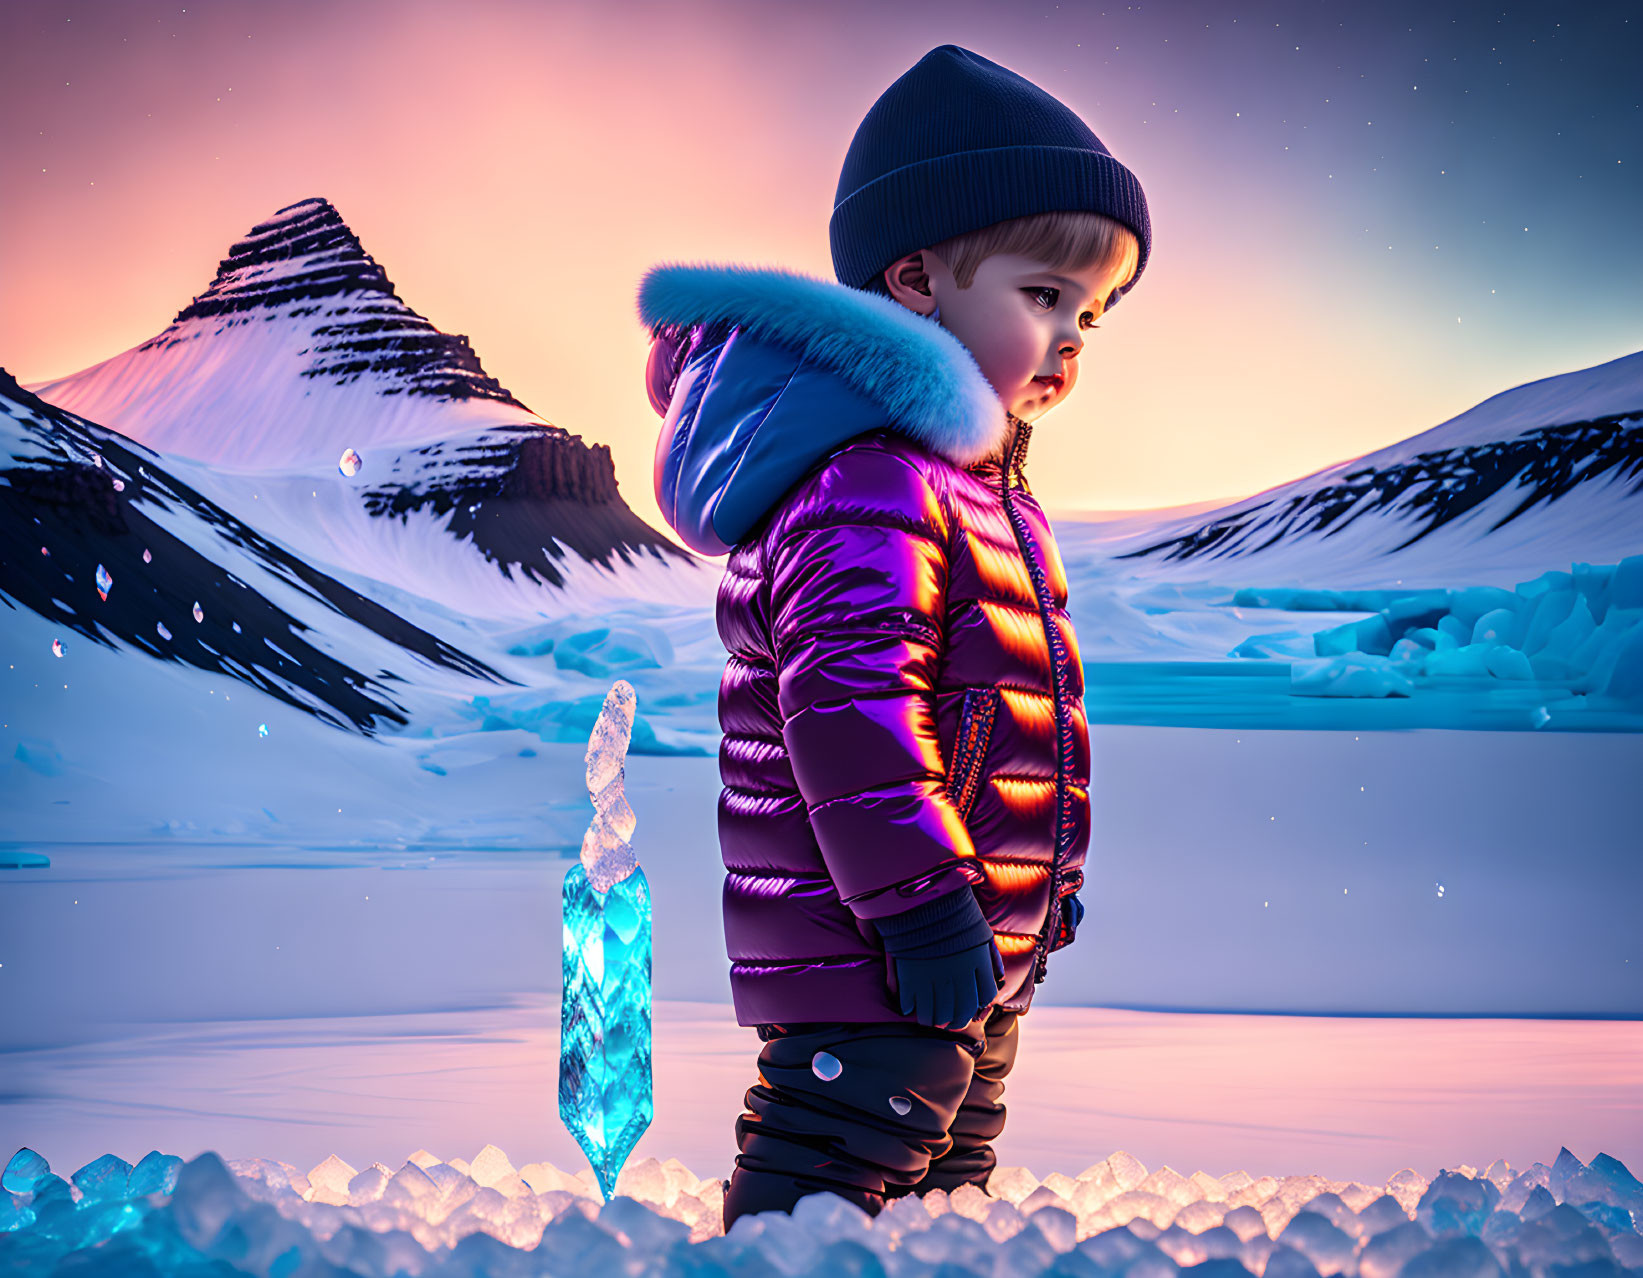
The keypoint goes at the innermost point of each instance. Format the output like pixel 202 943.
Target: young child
pixel 905 756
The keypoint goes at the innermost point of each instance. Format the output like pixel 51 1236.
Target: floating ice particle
pixel 199 612
pixel 1440 889
pixel 901 1105
pixel 45 552
pixel 262 729
pixel 351 462
pixel 164 633
pixel 147 558
pixel 826 1066
pixel 57 647
pixel 104 581
pixel 97 459
pixel 119 485
pixel 236 627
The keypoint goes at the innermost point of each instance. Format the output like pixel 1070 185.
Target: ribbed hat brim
pixel 988 186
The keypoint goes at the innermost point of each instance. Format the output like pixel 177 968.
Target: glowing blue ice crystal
pixel 605 1096
pixel 604 1022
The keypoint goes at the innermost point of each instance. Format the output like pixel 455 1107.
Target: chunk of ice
pixel 1349 674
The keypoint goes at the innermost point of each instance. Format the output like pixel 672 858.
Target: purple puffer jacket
pixel 902 706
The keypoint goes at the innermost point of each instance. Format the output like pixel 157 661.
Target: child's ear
pixel 908 279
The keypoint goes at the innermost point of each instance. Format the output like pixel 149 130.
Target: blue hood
pixel 760 372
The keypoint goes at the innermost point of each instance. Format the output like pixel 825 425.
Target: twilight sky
pixel 1366 217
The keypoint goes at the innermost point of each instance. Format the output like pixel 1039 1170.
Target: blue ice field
pixel 164 1216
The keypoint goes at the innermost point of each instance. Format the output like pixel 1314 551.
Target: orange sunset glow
pixel 515 168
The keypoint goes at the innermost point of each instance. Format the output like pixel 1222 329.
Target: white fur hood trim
pixel 924 378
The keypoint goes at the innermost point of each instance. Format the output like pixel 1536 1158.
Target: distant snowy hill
pixel 301 350
pixel 1533 478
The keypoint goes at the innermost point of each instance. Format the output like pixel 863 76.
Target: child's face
pixel 1024 324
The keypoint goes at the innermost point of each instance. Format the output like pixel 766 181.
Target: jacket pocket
pixel 909 619
pixel 975 733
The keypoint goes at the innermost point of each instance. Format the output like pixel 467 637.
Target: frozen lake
pixel 1346 1098
pixel 1230 870
pixel 1349 1098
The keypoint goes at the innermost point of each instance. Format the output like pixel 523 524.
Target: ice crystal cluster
pixel 436 1219
pixel 1581 628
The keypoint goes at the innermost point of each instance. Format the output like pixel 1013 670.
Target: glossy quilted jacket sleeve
pixel 858 582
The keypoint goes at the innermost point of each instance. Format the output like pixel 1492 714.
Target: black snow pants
pixel 870 1111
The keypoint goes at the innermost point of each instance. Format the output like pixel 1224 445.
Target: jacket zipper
pixel 1063 727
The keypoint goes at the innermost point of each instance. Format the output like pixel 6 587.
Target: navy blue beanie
pixel 958 143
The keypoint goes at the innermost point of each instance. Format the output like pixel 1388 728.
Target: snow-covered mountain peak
pixel 305 251
pixel 301 354
pixel 1540 475
pixel 305 260
pixel 298 349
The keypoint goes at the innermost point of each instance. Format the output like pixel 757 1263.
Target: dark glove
pixel 1072 914
pixel 951 991
pixel 944 964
